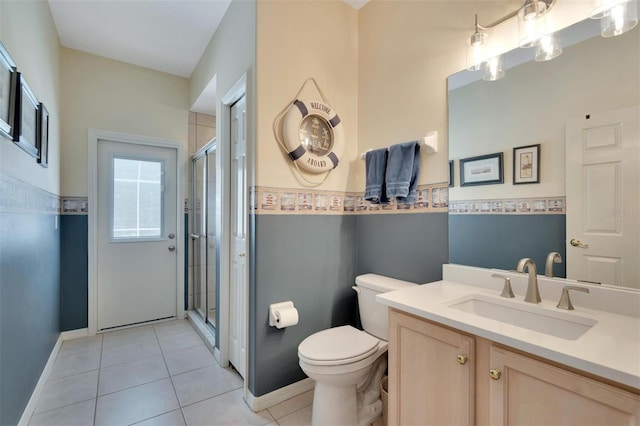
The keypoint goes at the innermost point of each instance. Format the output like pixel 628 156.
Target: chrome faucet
pixel 553 257
pixel 533 295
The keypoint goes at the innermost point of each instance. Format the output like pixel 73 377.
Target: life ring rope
pixel 297 153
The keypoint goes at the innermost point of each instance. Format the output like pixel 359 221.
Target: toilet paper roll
pixel 286 317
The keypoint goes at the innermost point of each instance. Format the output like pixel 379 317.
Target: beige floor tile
pixel 299 418
pixel 80 414
pixel 172 327
pixel 189 359
pixel 128 352
pixel 128 335
pixel 204 383
pixel 291 405
pixel 174 418
pixel 68 390
pixel 81 345
pixel 129 374
pixel 175 342
pixel 70 363
pixel 226 409
pixel 136 404
pixel 379 422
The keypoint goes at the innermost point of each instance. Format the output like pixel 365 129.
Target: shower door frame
pixel 202 153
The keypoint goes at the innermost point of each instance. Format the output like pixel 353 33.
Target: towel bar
pixel 429 144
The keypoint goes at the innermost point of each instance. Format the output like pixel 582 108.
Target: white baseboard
pixel 259 403
pixel 35 395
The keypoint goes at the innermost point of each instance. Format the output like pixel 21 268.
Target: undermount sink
pixel 535 318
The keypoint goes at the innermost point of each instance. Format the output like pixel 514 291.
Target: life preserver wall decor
pixel 312 134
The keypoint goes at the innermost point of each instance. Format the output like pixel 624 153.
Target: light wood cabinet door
pixel 530 392
pixel 428 383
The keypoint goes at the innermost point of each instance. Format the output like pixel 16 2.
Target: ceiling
pixel 164 35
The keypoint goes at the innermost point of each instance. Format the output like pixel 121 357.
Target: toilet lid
pixel 338 343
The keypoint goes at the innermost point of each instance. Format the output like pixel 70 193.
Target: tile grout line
pixel 170 377
pixel 95 407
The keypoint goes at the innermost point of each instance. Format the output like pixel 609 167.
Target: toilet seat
pixel 336 346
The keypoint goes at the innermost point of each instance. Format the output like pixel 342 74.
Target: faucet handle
pixel 506 290
pixel 565 300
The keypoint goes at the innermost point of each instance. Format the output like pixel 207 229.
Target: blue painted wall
pixel 29 305
pixel 511 238
pixel 313 261
pixel 74 272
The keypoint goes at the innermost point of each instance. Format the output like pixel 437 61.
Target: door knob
pixel 462 360
pixel 171 236
pixel 495 374
pixel 172 248
pixel 242 254
pixel 577 243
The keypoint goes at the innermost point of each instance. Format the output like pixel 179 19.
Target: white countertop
pixel 610 349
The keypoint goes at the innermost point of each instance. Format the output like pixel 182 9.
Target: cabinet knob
pixel 462 359
pixel 495 374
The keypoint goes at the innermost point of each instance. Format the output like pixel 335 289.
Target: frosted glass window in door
pixel 137 199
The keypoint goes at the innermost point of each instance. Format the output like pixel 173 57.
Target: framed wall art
pixel 526 164
pixel 43 136
pixel 26 135
pixel 8 93
pixel 481 170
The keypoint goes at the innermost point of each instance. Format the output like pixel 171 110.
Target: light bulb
pixel 476 51
pixel 619 19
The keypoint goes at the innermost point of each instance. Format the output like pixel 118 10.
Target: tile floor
pixel 158 374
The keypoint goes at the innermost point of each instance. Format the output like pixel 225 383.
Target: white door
pixel 238 277
pixel 603 192
pixel 136 234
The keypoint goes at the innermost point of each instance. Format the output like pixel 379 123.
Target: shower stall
pixel 203 234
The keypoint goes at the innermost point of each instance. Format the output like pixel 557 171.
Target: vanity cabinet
pixel 431 373
pixel 439 376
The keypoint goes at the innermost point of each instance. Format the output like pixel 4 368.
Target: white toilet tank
pixel 374 315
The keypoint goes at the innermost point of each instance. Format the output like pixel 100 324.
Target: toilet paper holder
pixel 273 319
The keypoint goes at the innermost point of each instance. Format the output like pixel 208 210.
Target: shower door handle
pixel 197 236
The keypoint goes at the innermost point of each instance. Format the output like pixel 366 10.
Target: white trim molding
pixel 94 136
pixel 259 403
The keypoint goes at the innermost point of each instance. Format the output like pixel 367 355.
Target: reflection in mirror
pixel 582 109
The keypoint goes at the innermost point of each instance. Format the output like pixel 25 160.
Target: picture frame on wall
pixel 526 164
pixel 450 173
pixel 482 170
pixel 26 135
pixel 43 136
pixel 8 93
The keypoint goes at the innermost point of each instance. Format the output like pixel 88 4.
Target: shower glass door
pixel 203 234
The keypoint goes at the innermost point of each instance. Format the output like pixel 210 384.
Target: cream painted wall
pixel 407 49
pixel 296 40
pixel 104 94
pixel 531 105
pixel 28 33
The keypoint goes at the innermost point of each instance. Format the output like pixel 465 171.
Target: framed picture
pixel 8 93
pixel 26 135
pixel 482 170
pixel 450 173
pixel 526 164
pixel 43 136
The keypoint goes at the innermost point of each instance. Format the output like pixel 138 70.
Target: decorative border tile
pixel 510 206
pixel 75 205
pixel 282 201
pixel 17 196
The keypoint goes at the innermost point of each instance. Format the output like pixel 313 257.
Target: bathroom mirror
pixel 540 103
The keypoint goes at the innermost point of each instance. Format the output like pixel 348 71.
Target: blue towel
pixel 403 168
pixel 376 164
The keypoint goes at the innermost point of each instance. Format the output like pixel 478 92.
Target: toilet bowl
pixel 347 364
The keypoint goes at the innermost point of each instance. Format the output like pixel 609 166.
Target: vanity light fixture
pixel 532 28
pixel 616 16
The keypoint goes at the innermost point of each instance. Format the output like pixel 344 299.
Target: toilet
pixel 347 364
